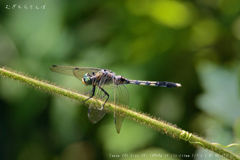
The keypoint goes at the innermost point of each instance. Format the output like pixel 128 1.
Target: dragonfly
pixel 108 87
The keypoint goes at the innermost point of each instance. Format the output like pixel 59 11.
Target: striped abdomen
pixel 154 83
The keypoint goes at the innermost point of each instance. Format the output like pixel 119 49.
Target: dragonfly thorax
pixel 87 79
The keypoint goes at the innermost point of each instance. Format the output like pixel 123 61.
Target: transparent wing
pixel 121 97
pixel 95 114
pixel 73 71
pixel 118 94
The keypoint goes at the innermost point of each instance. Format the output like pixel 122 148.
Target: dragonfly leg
pixel 88 92
pixel 105 93
pixel 93 91
pixel 103 96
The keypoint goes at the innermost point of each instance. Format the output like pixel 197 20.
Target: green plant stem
pixel 159 125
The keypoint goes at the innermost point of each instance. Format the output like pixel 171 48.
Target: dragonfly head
pixel 87 79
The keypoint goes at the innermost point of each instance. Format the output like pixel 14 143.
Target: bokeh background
pixel 195 43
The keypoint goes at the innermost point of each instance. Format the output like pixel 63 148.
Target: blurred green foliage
pixel 195 43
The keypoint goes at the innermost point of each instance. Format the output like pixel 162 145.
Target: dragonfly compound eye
pixel 86 80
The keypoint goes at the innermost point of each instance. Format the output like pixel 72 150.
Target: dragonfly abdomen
pixel 155 83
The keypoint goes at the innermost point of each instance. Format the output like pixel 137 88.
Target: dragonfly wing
pixel 95 115
pixel 118 96
pixel 79 72
pixel 118 122
pixel 121 97
pixel 73 71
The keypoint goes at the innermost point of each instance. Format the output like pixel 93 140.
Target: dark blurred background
pixel 195 43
